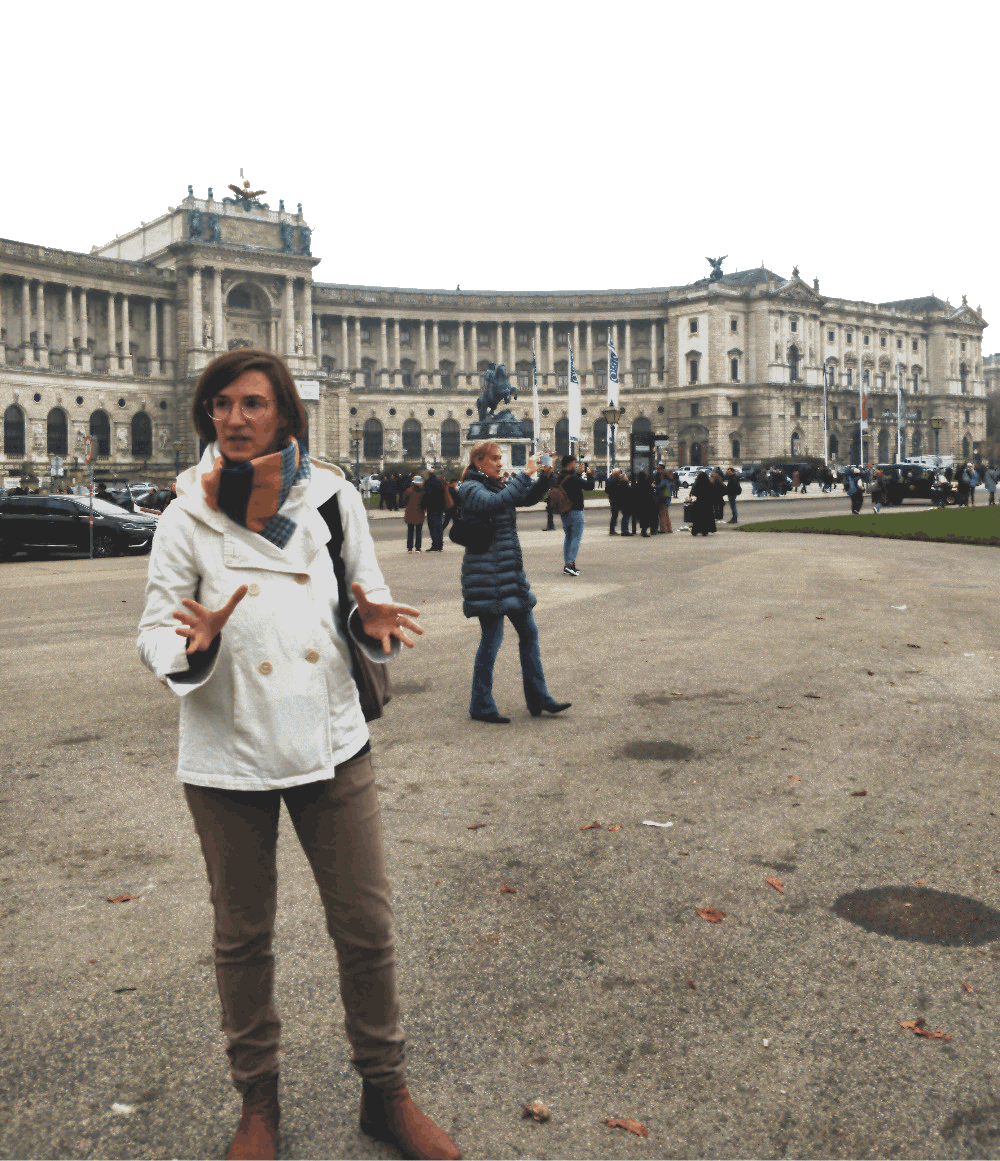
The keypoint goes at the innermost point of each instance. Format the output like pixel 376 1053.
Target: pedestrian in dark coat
pixel 413 498
pixel 719 494
pixel 703 497
pixel 494 584
pixel 642 502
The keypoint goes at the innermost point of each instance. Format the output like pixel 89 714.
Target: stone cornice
pixel 65 262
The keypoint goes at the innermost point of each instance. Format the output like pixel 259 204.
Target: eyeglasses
pixel 253 407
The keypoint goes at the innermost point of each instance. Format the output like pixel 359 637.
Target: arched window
pixel 681 452
pixel 796 444
pixel 451 440
pixel 368 371
pixel 696 451
pixel 963 374
pixel 834 447
pixel 412 443
pixel 562 373
pixel 883 447
pixel 56 443
pixel 447 370
pixel 734 370
pixel 100 433
pixel 736 450
pixel 966 449
pixel 13 431
pixel 372 439
pixel 601 437
pixel 917 443
pixel 692 370
pixel 916 380
pixel 641 425
pixel 562 437
pixel 793 364
pixel 407 367
pixel 142 435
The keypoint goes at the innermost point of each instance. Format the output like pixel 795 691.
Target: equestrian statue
pixel 497 389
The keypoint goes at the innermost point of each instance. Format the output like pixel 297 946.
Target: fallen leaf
pixel 676 693
pixel 858 793
pixel 617 826
pixel 794 778
pixel 909 646
pixel 710 914
pixel 917 1027
pixel 964 985
pixel 692 985
pixel 91 961
pixel 817 696
pixel 627 1124
pixel 535 1109
pixel 753 737
pixel 768 616
pixel 919 882
pixel 476 826
pixel 121 898
pixel 683 852
pixel 871 672
pixel 591 826
pixel 505 890
pixel 783 707
pixel 776 884
pixel 821 618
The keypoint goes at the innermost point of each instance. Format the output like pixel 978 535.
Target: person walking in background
pixel 263 723
pixel 703 503
pixel 494 584
pixel 642 502
pixel 878 490
pixel 719 493
pixel 733 489
pixel 663 487
pixel 614 489
pixel 854 489
pixel 962 486
pixel 573 484
pixel 990 478
pixel 450 502
pixel 435 502
pixel 413 500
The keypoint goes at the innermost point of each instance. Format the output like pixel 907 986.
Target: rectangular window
pixel 736 410
pixel 692 326
pixel 920 416
pixel 734 324
pixel 562 379
pixel 849 337
pixel 882 340
pixel 853 413
pixel 835 412
pixel 562 338
pixel 366 335
pixel 899 344
pixel 694 410
pixel 850 376
pixel 798 410
pixel 524 380
pixel 407 379
pixel 404 337
pixel 867 340
pixel 831 336
pixel 602 378
pixel 795 324
pixel 642 378
pixel 693 371
pixel 966 417
pixel 734 370
pixel 444 338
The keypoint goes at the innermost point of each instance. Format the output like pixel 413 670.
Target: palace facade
pixel 733 370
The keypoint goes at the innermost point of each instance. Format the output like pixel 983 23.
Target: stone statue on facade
pixel 122 435
pixel 79 439
pixel 209 333
pixel 38 436
pixel 194 220
pixel 716 264
pixel 246 197
pixel 287 238
pixel 497 389
pixel 432 442
pixel 214 228
pixel 300 340
pixel 163 439
pixel 305 241
pixel 393 441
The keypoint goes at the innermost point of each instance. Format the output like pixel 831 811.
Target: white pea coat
pixel 277 706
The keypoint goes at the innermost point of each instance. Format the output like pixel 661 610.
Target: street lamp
pixel 356 433
pixel 611 415
pixel 937 423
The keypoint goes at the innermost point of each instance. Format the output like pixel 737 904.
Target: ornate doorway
pixel 248 318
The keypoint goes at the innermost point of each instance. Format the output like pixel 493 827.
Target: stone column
pixel 27 347
pixel 169 350
pixel 512 347
pixel 422 366
pixel 85 360
pixel 288 317
pixel 126 338
pixel 318 339
pixel 538 352
pixel 551 368
pixel 590 348
pixel 628 347
pixel 218 338
pixel 357 345
pixel 474 348
pixel 70 349
pixel 345 353
pixel 383 347
pixel 154 338
pixel 3 341
pixel 307 317
pixel 499 342
pixel 435 355
pixel 654 356
pixel 113 363
pixel 397 358
pixel 460 343
pixel 196 337
pixel 576 355
pixel 43 349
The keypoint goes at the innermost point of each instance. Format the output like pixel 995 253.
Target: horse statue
pixel 497 389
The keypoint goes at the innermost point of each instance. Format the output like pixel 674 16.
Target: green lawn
pixel 980 525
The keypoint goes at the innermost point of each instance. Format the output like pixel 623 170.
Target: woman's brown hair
pixel 477 453
pixel 227 369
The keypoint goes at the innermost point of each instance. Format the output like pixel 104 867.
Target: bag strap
pixel 330 511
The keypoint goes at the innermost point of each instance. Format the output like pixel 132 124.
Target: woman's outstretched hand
pixel 384 621
pixel 201 625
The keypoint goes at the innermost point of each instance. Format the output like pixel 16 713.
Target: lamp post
pixel 826 426
pixel 611 415
pixel 937 423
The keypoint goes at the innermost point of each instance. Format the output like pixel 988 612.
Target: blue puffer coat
pixel 493 582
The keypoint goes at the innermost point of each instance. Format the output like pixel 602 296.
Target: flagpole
pixel 536 415
pixel 899 412
pixel 861 418
pixel 826 428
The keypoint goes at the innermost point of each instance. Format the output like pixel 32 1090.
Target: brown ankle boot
pixel 257 1135
pixel 393 1116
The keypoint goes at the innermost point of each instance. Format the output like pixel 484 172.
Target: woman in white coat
pixel 240 568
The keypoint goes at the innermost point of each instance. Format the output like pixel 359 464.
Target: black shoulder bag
pixel 473 535
pixel 372 679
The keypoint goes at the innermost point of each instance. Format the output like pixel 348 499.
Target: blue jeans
pixel 536 693
pixel 435 526
pixel 572 523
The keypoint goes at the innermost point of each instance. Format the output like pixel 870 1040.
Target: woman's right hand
pixel 202 625
pixel 531 467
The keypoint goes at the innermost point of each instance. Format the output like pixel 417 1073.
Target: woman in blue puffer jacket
pixel 493 582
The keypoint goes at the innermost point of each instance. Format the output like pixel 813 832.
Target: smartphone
pixel 545 460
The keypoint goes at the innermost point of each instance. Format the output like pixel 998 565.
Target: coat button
pixel 301 578
pixel 254 590
pixel 266 667
pixel 312 656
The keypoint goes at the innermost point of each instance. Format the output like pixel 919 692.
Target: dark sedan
pixel 905 481
pixel 62 523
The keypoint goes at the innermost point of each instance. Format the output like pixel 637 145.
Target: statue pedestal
pixel 506 431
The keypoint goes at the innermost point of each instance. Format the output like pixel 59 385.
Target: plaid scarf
pixel 252 494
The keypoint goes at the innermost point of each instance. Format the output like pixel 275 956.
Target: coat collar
pixel 245 549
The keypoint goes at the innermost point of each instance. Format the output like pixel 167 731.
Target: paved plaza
pixel 818 712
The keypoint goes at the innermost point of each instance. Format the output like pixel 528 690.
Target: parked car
pixel 41 523
pixel 688 475
pixel 909 481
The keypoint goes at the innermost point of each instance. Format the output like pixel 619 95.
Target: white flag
pixel 536 414
pixel 612 370
pixel 574 400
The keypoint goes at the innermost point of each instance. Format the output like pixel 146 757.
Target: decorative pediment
pixel 735 353
pixel 966 316
pixel 797 290
pixel 692 354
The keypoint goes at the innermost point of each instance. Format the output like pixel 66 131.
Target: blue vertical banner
pixel 573 411
pixel 612 370
pixel 535 414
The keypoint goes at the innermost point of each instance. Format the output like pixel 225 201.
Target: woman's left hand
pixel 385 621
